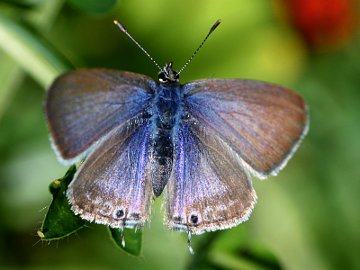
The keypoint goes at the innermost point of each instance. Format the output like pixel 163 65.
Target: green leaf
pixel 259 256
pixel 31 52
pixel 60 221
pixel 10 77
pixel 43 17
pixel 19 3
pixel 248 256
pixel 93 6
pixel 132 240
pixel 11 72
pixel 231 249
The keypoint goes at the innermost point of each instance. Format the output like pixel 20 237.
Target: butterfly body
pixel 165 119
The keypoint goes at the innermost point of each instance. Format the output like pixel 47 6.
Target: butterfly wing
pixel 113 185
pixel 83 106
pixel 230 128
pixel 209 189
pixel 263 123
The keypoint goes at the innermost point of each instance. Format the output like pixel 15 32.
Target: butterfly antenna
pixel 216 24
pixel 123 29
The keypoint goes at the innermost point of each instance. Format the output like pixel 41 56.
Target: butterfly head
pixel 167 75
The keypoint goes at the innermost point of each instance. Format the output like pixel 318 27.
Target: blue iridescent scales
pixel 200 141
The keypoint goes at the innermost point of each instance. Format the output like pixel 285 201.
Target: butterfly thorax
pixel 165 115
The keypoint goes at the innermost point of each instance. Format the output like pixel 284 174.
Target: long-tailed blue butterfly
pixel 201 141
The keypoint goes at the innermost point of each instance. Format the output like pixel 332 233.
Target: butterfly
pixel 201 142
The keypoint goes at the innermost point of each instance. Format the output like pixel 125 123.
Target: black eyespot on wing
pixel 194 219
pixel 120 213
pixel 113 186
pixel 208 188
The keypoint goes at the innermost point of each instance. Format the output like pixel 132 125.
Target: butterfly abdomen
pixel 167 102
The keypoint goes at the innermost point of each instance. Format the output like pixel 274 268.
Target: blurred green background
pixel 307 217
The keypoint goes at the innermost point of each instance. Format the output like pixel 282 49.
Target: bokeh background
pixel 307 217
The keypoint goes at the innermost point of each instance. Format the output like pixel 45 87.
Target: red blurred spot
pixel 323 23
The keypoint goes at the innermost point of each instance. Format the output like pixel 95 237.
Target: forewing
pixel 113 185
pixel 85 105
pixel 262 122
pixel 209 189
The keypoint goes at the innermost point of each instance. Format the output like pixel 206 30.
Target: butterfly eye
pixel 162 77
pixel 119 214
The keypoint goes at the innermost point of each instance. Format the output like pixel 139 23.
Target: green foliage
pixel 93 6
pixel 60 221
pixel 216 250
pixel 33 54
pixel 129 240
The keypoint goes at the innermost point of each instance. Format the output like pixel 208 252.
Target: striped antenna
pixel 215 25
pixel 123 29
